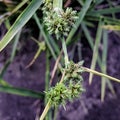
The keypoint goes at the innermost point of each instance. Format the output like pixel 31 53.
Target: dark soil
pixel 88 107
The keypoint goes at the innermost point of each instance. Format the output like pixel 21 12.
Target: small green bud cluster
pixel 48 5
pixel 70 88
pixel 74 71
pixel 57 95
pixel 58 21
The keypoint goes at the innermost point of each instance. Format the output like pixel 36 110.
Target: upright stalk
pixel 45 111
pixel 65 52
pixel 57 4
pixel 55 113
pixel 47 81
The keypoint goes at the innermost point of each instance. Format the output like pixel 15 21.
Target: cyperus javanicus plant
pixel 58 22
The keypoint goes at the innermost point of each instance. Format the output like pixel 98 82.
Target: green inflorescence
pixel 70 88
pixel 57 95
pixel 58 21
pixel 74 71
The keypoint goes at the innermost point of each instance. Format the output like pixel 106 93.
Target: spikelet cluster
pixel 70 88
pixel 58 21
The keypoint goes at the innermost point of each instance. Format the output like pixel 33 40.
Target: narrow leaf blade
pixel 21 92
pixel 95 51
pixel 20 22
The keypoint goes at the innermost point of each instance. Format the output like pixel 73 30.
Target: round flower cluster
pixel 70 88
pixel 58 21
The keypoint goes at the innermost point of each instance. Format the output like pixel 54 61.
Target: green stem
pixel 16 39
pixel 57 4
pixel 101 74
pixel 55 113
pixel 65 52
pixel 47 76
pixel 45 111
pixel 96 49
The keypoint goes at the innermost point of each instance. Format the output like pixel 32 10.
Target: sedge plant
pixel 70 85
pixel 60 24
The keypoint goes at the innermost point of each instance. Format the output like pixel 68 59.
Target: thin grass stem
pixel 65 52
pixel 96 47
pixel 101 74
pixel 45 111
pixel 47 79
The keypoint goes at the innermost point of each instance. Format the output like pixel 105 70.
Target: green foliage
pixel 20 22
pixel 62 22
pixel 20 91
